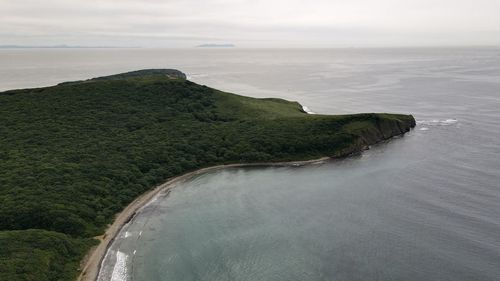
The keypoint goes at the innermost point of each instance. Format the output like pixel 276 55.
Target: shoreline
pixel 93 259
pixel 92 262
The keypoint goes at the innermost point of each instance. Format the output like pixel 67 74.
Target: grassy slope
pixel 75 154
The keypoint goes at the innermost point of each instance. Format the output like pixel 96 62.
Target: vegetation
pixel 73 155
pixel 40 255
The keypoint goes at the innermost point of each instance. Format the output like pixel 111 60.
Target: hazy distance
pixel 255 23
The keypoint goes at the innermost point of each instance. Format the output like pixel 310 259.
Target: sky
pixel 250 23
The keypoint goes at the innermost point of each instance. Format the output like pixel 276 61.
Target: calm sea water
pixel 422 207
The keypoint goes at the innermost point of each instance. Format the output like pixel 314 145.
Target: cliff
pixel 380 127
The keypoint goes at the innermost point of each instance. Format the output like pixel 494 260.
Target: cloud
pixel 261 23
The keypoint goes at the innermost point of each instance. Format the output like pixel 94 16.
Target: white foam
pixel 437 122
pixel 120 269
pixel 450 121
pixel 423 129
pixel 307 110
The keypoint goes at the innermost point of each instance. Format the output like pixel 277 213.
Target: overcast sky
pixel 250 23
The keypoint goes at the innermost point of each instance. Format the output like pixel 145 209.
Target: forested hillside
pixel 73 155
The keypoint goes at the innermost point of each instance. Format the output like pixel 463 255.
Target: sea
pixel 425 206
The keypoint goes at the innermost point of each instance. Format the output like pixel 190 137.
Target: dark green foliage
pixel 73 155
pixel 40 255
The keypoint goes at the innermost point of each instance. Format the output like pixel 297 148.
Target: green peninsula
pixel 74 155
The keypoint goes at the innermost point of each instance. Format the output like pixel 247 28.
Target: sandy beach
pixel 91 264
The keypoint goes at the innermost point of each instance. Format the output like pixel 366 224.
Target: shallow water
pixel 422 207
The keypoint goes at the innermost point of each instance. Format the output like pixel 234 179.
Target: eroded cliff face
pixel 376 130
pixel 385 129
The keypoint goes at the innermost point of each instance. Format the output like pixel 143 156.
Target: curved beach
pixel 91 264
pixel 93 261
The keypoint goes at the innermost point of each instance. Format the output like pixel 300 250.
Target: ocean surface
pixel 425 206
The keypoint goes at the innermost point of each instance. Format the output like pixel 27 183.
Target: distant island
pixel 56 47
pixel 76 154
pixel 216 46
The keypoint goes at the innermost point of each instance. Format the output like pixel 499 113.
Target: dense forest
pixel 73 155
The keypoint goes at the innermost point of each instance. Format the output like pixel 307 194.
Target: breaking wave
pixel 436 122
pixel 307 110
pixel 120 269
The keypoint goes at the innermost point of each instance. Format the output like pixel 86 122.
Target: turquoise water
pixel 422 207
